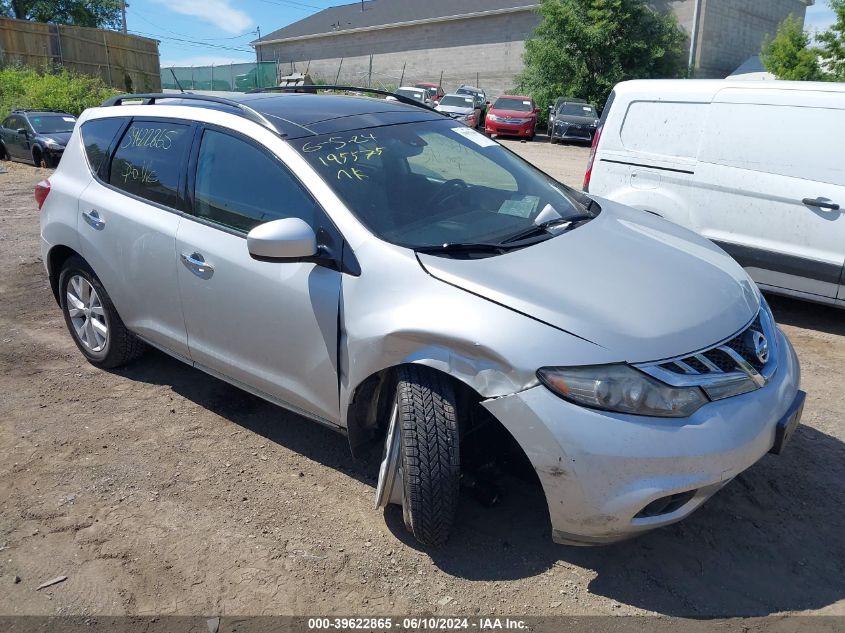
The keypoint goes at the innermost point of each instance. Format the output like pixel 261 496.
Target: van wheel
pixel 91 319
pixel 421 465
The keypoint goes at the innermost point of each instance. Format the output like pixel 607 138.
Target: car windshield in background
pixel 437 184
pixel 578 109
pixel 52 123
pixel 459 102
pixel 413 94
pixel 520 105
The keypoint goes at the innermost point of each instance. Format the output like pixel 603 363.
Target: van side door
pixel 771 189
pixel 268 326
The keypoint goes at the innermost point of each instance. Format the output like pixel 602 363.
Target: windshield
pixel 432 183
pixel 520 105
pixel 413 94
pixel 52 123
pixel 578 109
pixel 457 101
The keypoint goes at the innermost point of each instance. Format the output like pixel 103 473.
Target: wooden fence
pixel 127 62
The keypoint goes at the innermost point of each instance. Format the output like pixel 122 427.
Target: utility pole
pixel 123 14
pixel 257 59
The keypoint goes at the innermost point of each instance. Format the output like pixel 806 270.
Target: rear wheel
pixel 4 155
pixel 421 465
pixel 92 320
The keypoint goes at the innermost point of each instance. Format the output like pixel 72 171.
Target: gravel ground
pixel 157 489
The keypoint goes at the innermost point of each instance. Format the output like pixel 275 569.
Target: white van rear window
pixel 664 128
pixel 799 142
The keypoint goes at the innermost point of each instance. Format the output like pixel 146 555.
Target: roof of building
pixel 373 14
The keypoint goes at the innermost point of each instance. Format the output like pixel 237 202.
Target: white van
pixel 757 167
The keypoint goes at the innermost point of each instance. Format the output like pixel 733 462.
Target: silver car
pixel 395 275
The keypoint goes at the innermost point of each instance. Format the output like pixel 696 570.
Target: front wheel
pixel 421 465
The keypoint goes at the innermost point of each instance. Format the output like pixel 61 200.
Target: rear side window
pixel 97 136
pixel 240 186
pixel 662 128
pixel 149 158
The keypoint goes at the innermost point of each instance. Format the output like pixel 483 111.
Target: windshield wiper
pixel 544 227
pixel 463 247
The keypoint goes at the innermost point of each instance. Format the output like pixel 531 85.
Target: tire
pixel 4 155
pixel 429 453
pixel 38 158
pixel 118 346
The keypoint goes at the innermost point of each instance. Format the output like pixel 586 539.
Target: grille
pixel 717 359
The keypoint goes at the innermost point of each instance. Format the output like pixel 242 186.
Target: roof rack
pixel 150 98
pixel 40 110
pixel 386 93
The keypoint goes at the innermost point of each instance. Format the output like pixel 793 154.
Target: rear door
pixel 269 326
pixel 128 221
pixel 16 144
pixel 771 187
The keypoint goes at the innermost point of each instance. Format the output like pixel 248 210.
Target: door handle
pixel 821 203
pixel 196 263
pixel 92 217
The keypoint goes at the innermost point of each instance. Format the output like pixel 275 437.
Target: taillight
pixel 41 191
pixel 595 146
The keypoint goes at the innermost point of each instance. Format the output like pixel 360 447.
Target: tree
pixel 97 13
pixel 832 44
pixel 582 48
pixel 789 56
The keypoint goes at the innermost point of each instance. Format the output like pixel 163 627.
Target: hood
pixel 455 109
pixel 577 120
pixel 513 114
pixel 628 281
pixel 62 138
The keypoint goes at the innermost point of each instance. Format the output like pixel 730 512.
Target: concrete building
pixel 481 42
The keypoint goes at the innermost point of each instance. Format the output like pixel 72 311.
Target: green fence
pixel 237 77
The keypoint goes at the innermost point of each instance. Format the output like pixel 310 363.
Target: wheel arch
pixel 56 258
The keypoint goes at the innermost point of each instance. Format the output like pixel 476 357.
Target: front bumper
pixel 509 129
pixel 599 470
pixel 569 132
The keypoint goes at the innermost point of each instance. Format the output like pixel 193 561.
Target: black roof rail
pixel 150 98
pixel 386 93
pixel 41 110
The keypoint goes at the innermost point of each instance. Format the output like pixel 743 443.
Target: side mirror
pixel 23 131
pixel 536 110
pixel 287 239
pixel 551 107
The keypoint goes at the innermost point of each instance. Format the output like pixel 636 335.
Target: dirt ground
pixel 159 490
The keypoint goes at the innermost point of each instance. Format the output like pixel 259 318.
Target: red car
pixel 512 115
pixel 434 90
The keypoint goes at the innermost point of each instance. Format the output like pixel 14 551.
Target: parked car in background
pixel 464 108
pixel 396 276
pixel 480 98
pixel 554 107
pixel 417 94
pixel 435 91
pixel 36 136
pixel 512 115
pixel 754 166
pixel 573 121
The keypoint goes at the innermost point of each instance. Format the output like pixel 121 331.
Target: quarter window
pixel 240 186
pixel 97 136
pixel 148 160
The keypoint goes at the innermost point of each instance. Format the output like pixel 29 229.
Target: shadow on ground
pixel 771 541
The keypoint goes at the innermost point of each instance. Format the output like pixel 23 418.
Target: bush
pixel 56 89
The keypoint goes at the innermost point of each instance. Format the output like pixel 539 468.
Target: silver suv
pixel 397 276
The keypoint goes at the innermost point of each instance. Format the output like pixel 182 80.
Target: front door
pixel 269 326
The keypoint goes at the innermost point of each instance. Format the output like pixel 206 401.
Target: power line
pixel 293 4
pixel 194 42
pixel 200 39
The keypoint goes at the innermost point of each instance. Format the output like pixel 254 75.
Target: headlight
pixel 53 144
pixel 622 389
pixel 492 117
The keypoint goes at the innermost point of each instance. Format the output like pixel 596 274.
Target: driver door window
pixel 240 186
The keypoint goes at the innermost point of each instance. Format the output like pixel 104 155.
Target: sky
pixel 202 32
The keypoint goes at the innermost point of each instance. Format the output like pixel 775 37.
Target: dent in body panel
pixel 395 313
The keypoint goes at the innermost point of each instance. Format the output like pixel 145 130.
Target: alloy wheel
pixel 87 314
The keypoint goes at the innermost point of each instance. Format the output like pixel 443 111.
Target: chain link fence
pixel 231 77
